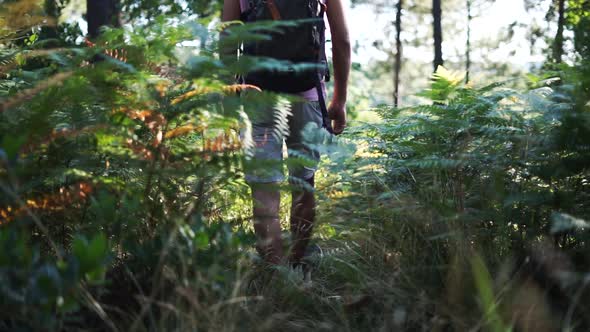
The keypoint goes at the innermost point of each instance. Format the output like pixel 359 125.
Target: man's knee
pixel 266 202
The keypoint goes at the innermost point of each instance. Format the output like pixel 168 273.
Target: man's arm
pixel 341 58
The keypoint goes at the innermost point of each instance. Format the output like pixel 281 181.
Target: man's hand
pixel 341 52
pixel 337 113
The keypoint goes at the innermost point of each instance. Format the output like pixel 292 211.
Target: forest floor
pixel 380 270
pixel 357 283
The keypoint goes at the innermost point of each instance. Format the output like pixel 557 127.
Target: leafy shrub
pixel 491 173
pixel 136 135
pixel 38 292
pixel 490 156
pixel 121 138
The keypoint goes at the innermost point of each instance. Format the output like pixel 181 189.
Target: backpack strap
pixel 323 73
pixel 327 123
pixel 274 10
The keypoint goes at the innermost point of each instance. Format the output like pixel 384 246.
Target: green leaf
pixel 98 248
pixel 67 305
pixel 91 255
pixel 49 280
pixel 201 240
pixel 11 144
pixel 79 250
pixel 484 284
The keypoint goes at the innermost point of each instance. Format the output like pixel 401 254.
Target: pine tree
pixel 398 54
pixel 437 28
pixel 468 42
pixel 101 13
pixel 558 42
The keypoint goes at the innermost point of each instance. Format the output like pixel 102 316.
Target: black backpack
pixel 301 47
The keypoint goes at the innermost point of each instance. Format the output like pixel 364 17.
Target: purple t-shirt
pixel 309 95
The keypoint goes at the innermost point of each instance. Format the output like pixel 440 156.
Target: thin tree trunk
pixel 100 13
pixel 50 33
pixel 437 25
pixel 558 43
pixel 398 54
pixel 468 44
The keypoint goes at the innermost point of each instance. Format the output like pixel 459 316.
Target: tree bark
pixel 101 13
pixel 558 43
pixel 468 43
pixel 437 24
pixel 398 50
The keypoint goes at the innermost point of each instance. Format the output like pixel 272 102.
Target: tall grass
pixel 124 206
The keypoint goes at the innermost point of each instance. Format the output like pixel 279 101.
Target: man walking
pixel 266 198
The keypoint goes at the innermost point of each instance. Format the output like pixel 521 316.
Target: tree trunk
pixel 50 34
pixel 101 13
pixel 558 43
pixel 468 44
pixel 437 24
pixel 398 54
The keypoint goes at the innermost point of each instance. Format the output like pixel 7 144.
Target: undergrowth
pixel 123 204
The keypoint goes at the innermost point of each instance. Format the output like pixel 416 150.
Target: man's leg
pixel 302 219
pixel 263 173
pixel 267 224
pixel 303 199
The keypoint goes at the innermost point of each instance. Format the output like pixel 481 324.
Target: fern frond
pixel 227 89
pixel 28 94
